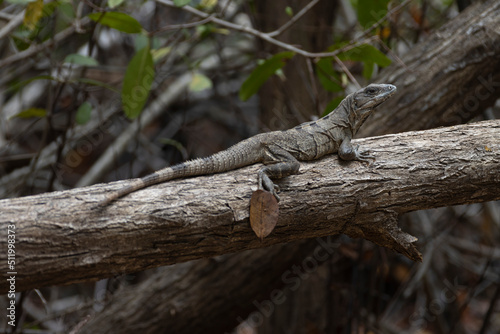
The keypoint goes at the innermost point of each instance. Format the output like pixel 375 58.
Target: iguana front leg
pixel 348 152
pixel 280 164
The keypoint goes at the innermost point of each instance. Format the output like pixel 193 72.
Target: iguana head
pixel 365 100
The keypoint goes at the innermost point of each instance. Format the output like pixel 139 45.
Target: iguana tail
pixel 241 154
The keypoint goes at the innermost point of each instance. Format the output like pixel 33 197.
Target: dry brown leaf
pixel 264 211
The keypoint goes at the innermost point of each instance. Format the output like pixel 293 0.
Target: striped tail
pixel 244 153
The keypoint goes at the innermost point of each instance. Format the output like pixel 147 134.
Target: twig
pixel 269 36
pixel 34 49
pixel 182 26
pixel 293 20
pixel 253 32
pixel 379 22
pixel 13 23
pixel 315 94
pixel 346 71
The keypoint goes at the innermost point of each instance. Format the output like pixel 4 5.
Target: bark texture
pixel 207 216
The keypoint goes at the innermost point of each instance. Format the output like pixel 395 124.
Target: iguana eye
pixel 371 91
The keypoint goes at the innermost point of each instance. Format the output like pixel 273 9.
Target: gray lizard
pixel 280 151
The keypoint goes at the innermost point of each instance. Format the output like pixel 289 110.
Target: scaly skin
pixel 281 151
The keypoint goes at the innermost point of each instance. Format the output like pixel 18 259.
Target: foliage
pixel 263 72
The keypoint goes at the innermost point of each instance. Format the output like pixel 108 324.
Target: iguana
pixel 281 151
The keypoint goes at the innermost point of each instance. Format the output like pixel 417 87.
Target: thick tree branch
pixel 62 238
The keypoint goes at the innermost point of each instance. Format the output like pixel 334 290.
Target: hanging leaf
pixel 118 21
pixel 33 14
pixel 160 53
pixel 370 11
pixel 368 69
pixel 114 3
pixel 31 112
pixel 78 59
pixel 263 72
pixel 199 82
pixel 208 4
pixel 137 82
pixel 83 113
pixel 365 53
pixel 264 213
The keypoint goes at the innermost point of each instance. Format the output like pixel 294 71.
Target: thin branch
pixel 379 22
pixel 269 37
pixel 182 26
pixel 13 23
pixel 346 71
pixel 293 20
pixel 254 32
pixel 310 72
pixel 35 49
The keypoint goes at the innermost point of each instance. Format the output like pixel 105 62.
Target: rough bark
pixel 62 238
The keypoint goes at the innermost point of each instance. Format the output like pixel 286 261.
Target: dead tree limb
pixel 62 238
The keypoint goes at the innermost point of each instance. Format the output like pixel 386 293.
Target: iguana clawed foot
pixel 266 184
pixel 364 157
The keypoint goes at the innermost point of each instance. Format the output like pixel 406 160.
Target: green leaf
pixel 83 113
pixel 114 3
pixel 208 4
pixel 180 3
pixel 33 14
pixel 289 11
pixel 263 72
pixel 160 53
pixel 199 82
pixel 366 53
pixel 137 82
pixel 370 11
pixel 368 70
pixel 327 75
pixel 78 59
pixel 140 42
pixel 32 112
pixel 20 2
pixel 118 21
pixel 332 105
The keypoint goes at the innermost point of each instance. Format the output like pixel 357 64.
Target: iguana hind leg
pixel 280 163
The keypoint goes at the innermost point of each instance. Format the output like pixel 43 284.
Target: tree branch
pixel 268 37
pixel 62 238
